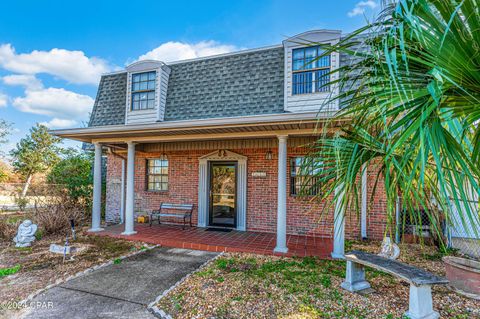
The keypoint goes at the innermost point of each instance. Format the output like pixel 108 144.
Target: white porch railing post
pixel 97 189
pixel 339 227
pixel 281 246
pixel 130 193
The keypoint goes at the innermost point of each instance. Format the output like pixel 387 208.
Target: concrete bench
pixel 185 211
pixel 421 281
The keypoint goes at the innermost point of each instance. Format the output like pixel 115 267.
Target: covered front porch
pixel 216 241
pixel 269 218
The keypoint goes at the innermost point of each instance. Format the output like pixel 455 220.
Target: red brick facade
pixel 303 215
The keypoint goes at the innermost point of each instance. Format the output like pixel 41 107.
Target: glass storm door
pixel 223 194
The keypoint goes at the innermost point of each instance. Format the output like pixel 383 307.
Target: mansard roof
pixel 240 84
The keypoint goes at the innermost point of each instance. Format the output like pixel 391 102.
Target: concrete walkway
pixel 121 290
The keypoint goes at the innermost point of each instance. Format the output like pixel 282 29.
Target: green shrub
pixel 73 174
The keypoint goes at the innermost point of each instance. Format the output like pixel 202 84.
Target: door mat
pixel 225 230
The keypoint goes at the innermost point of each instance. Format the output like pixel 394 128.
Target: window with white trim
pixel 157 174
pixel 143 91
pixel 310 70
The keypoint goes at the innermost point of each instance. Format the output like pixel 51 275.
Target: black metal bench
pixel 420 299
pixel 186 209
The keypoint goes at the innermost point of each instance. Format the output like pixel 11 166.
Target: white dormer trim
pixel 319 35
pixel 311 101
pixel 161 84
pixel 144 66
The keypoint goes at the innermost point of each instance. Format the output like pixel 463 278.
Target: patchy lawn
pixel 253 286
pixel 26 270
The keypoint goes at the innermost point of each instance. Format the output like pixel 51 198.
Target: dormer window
pixel 310 73
pixel 143 91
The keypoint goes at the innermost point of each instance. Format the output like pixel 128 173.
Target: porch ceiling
pixel 303 124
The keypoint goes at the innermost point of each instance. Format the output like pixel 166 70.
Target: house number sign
pixel 259 174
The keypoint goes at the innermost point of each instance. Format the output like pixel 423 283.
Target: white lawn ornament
pixel 389 250
pixel 25 234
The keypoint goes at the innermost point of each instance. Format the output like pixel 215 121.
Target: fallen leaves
pixel 256 286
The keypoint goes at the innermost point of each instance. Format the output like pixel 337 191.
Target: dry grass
pixel 8 229
pixel 52 217
pixel 55 218
pixel 253 286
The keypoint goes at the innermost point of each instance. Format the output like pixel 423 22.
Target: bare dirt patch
pixel 253 286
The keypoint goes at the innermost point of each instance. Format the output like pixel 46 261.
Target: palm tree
pixel 411 101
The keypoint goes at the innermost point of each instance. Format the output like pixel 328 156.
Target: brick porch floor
pixel 234 241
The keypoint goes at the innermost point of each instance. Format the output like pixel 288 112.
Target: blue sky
pixel 52 53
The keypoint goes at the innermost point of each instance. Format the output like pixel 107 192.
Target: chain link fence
pixel 461 233
pixel 464 233
pixel 38 194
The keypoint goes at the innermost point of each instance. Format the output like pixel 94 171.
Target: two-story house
pixel 226 133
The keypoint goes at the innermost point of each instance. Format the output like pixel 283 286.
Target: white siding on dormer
pixel 163 81
pixel 311 101
pixel 161 84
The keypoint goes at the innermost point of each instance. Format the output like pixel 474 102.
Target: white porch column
pixel 339 227
pixel 97 189
pixel 281 246
pixel 130 200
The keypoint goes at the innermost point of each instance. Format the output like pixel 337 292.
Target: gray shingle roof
pixel 235 85
pixel 242 84
pixel 109 107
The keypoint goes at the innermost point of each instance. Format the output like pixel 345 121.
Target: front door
pixel 223 194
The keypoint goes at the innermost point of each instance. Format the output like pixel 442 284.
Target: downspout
pixel 397 220
pixel 122 193
pixel 363 224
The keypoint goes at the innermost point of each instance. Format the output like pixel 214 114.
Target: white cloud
pixel 361 6
pixel 30 82
pixel 72 66
pixel 59 123
pixel 3 100
pixel 175 51
pixel 64 106
pixel 55 102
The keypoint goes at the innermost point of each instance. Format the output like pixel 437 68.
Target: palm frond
pixel 411 96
